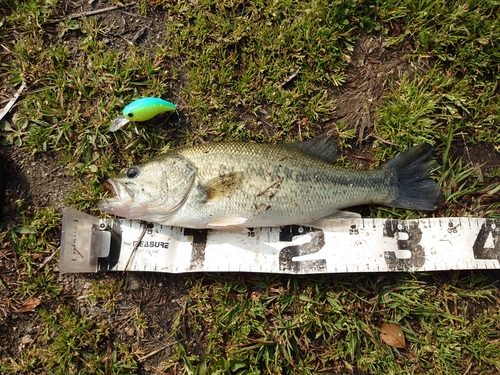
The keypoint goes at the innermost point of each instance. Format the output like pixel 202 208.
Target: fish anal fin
pixel 338 221
pixel 223 186
pixel 227 222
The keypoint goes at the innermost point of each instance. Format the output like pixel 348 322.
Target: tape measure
pixel 90 244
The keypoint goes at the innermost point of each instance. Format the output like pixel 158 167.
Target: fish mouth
pixel 124 196
pixel 108 187
pixel 124 204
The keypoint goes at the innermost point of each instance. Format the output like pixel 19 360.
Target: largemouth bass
pixel 226 185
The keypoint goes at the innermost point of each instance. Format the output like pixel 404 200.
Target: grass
pixel 274 325
pixel 69 343
pixel 254 71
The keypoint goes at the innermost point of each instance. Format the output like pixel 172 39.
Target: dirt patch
pixel 121 27
pixel 39 180
pixel 373 65
pixel 481 156
pixel 156 298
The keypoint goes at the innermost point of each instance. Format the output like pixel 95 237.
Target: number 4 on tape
pixel 487 244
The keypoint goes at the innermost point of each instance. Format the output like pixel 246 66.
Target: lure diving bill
pixel 142 109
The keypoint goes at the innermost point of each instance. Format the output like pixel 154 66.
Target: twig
pixel 382 139
pixel 144 229
pixel 46 262
pixel 468 369
pixel 5 47
pixel 467 150
pixel 158 371
pixel 184 320
pixel 289 78
pixel 155 352
pixel 12 101
pixel 90 13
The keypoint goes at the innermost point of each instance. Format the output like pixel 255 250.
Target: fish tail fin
pixel 411 170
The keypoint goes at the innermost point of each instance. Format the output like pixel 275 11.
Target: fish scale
pixel 309 195
pixel 261 185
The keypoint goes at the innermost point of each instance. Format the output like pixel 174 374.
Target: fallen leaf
pixel 392 335
pixel 29 305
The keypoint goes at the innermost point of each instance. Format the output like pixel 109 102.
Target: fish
pixel 142 109
pixel 231 185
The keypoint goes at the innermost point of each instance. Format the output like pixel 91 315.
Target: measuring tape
pixel 89 244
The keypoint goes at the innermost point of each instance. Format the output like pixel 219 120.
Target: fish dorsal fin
pixel 322 147
pixel 222 186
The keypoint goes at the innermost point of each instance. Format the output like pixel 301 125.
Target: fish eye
pixel 132 172
pixel 130 114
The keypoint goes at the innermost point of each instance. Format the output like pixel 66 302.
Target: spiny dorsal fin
pixel 322 147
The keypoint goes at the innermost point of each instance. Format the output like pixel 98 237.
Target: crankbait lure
pixel 141 110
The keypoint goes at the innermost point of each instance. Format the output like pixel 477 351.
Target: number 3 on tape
pixel 410 254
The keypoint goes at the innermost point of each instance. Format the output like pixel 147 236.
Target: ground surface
pixel 166 324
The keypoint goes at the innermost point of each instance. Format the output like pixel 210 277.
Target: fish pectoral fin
pixel 338 221
pixel 223 186
pixel 228 222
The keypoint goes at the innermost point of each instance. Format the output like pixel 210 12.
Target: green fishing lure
pixel 141 110
pixel 146 108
